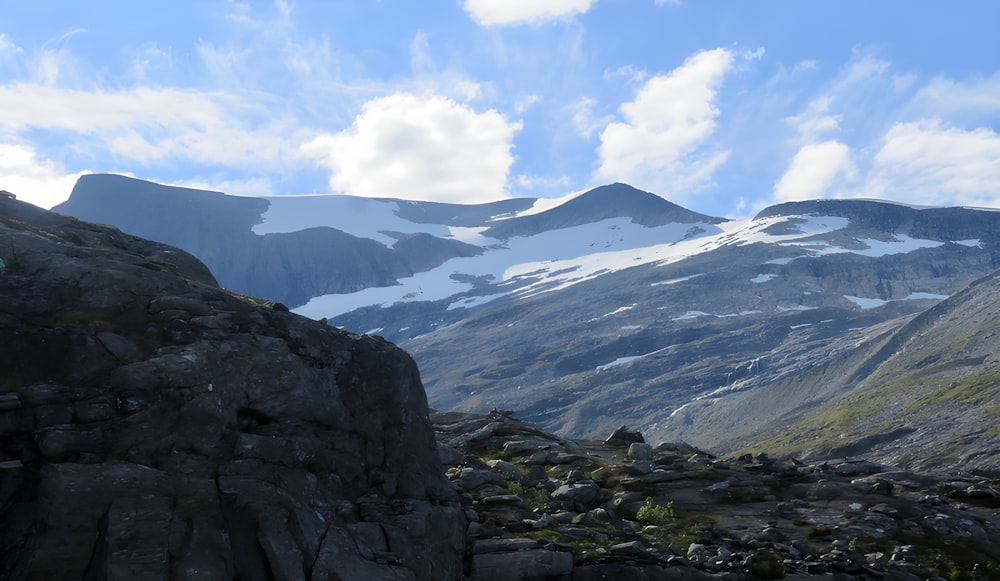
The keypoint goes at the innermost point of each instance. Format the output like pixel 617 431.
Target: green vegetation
pixel 655 514
pixel 994 412
pixel 971 390
pixel 532 498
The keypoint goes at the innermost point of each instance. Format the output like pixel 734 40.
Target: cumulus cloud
pixel 813 170
pixel 932 163
pixel 420 147
pixel 507 12
pixel 33 180
pixel 658 144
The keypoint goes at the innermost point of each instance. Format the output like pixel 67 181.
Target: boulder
pixel 624 437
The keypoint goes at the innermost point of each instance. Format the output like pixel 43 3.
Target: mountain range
pixel 819 328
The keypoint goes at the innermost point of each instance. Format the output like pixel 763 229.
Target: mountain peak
pixel 615 200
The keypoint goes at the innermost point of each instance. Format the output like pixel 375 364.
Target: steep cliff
pixel 153 425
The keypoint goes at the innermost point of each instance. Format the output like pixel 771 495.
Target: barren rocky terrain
pixel 543 507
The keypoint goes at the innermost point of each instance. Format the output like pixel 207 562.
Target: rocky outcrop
pixel 544 507
pixel 155 426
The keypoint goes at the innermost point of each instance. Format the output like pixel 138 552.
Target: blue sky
pixel 721 106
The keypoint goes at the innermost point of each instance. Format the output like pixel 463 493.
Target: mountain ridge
pixel 582 309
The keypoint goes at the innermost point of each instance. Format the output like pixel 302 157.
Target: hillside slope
pixel 926 395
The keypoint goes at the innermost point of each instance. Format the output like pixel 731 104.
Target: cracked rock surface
pixel 153 425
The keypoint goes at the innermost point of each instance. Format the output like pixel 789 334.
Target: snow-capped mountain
pixel 608 307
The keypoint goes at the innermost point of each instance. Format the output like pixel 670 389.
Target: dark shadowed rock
pixel 153 425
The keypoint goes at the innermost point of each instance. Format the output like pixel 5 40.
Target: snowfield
pixel 526 266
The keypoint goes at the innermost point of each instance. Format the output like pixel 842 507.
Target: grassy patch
pixel 970 390
pixel 994 412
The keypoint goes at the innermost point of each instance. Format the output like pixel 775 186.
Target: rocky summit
pixel 154 426
pixel 543 507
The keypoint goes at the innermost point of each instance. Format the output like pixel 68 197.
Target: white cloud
pixel 420 147
pixel 36 181
pixel 929 162
pixel 148 125
pixel 813 170
pixel 657 146
pixel 505 12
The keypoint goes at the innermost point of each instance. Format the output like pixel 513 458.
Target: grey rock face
pixel 155 426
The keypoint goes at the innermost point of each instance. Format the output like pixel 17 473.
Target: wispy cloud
pixel 509 12
pixel 584 120
pixel 975 100
pixel 426 147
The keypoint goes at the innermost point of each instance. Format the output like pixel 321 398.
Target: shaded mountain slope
pixel 928 395
pixel 288 267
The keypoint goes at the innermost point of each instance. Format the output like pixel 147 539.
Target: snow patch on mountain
pixel 931 296
pixel 696 314
pixel 866 303
pixel 519 265
pixel 361 217
pixel 525 266
pixel 677 280
pixel 618 310
pixel 629 359
pixel 543 205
